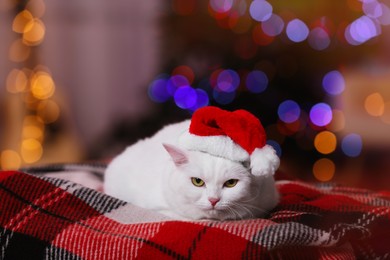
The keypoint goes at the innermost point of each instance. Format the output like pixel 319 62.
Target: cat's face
pixel 204 186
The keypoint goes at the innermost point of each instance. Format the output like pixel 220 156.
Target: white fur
pixel 147 175
pixel 264 161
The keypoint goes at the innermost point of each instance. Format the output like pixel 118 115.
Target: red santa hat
pixel 237 136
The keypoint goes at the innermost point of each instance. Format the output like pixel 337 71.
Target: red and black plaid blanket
pixel 50 218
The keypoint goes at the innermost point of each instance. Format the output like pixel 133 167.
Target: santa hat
pixel 237 136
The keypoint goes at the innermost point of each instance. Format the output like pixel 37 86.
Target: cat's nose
pixel 213 201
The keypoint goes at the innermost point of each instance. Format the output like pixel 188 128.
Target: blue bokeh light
pixel 276 146
pixel 352 145
pixel 256 81
pixel 260 10
pixel 223 98
pixel 297 31
pixel 185 97
pixel 175 82
pixel 289 111
pixel 158 89
pixel 321 114
pixel 228 81
pixel 202 99
pixel 333 82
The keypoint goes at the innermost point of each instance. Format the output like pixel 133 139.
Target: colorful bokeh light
pixel 352 145
pixel 260 10
pixel 185 97
pixel 289 111
pixel 333 83
pixel 228 81
pixel 325 142
pixel 297 30
pixel 324 170
pixel 321 114
pixel 276 146
pixel 256 81
pixel 273 26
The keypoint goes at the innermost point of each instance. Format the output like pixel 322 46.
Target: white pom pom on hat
pixel 237 136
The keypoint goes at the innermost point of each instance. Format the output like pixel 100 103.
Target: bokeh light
pixel 352 145
pixel 21 20
pixel 297 30
pixel 202 99
pixel 185 97
pixel 338 121
pixel 372 8
pixel 221 6
pixel 42 85
pixel 273 26
pixel 324 170
pixel 289 111
pixel 228 80
pixel 10 160
pixel 158 91
pixel 185 71
pixel 34 32
pixel 362 30
pixel 48 111
pixel 175 82
pixel 319 39
pixel 260 10
pixel 256 81
pixel 222 97
pixel 333 82
pixel 374 104
pixel 31 150
pixel 325 142
pixel 276 146
pixel 321 114
pixel 19 52
pixel 17 81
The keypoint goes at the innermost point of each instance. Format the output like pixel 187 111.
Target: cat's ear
pixel 178 156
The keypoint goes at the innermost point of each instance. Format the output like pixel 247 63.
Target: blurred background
pixel 81 80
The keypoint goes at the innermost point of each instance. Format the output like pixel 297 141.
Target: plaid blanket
pixel 51 218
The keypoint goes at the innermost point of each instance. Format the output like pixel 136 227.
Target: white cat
pixel 158 174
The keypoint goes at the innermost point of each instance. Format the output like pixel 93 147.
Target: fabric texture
pixel 51 218
pixel 240 125
pixel 237 136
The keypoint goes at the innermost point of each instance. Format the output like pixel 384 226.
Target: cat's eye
pixel 197 182
pixel 230 183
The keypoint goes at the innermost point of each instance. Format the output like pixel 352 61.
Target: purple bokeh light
pixel 221 6
pixel 185 97
pixel 175 82
pixel 297 31
pixel 333 83
pixel 256 81
pixel 289 111
pixel 228 81
pixel 260 10
pixel 321 114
